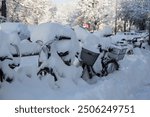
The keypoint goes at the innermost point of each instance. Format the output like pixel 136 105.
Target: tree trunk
pixel 4 9
pixel 124 26
pixel 142 25
pixel 130 24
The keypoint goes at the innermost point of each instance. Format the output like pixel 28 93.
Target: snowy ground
pixel 131 81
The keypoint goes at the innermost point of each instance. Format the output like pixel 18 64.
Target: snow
pixel 48 32
pixel 107 30
pixel 20 28
pixel 27 47
pixel 91 43
pixel 4 38
pixel 81 33
pixel 131 81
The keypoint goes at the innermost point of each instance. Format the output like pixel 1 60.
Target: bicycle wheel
pixel 110 67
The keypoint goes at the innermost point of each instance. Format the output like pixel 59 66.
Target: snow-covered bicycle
pixel 46 56
pixel 8 63
pixel 108 60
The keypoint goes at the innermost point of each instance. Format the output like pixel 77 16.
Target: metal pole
pixel 149 21
pixel 149 32
pixel 116 18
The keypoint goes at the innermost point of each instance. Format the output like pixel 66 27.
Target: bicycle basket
pixel 117 53
pixel 88 57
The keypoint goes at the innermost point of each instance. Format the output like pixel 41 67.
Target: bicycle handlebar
pixel 4 58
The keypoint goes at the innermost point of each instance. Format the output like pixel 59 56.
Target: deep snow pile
pixel 131 81
pixel 18 33
pixel 11 27
pixel 26 47
pixel 3 46
pixel 19 28
pixel 48 32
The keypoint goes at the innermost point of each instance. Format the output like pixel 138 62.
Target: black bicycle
pixel 109 60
